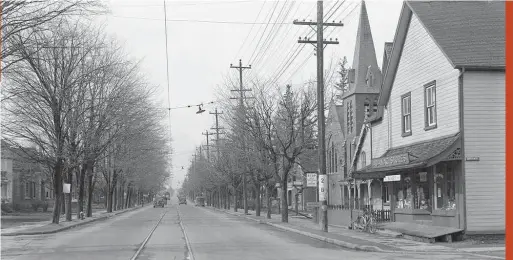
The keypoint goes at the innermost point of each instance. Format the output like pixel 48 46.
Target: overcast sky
pixel 204 37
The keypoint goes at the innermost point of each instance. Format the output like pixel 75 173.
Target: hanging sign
pixel 311 179
pixel 323 187
pixel 66 188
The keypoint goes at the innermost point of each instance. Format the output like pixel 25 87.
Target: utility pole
pixel 217 128
pixel 206 134
pixel 320 43
pixel 241 91
pixel 218 144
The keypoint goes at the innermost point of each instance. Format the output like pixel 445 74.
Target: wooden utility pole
pixel 217 128
pixel 241 119
pixel 206 134
pixel 320 43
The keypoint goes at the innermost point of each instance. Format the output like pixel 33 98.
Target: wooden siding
pixel 484 128
pixel 366 148
pixel 380 136
pixel 422 62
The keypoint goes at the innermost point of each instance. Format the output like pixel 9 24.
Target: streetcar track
pixel 143 244
pixel 189 253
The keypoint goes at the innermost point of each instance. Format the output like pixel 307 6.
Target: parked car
pixel 182 200
pixel 200 201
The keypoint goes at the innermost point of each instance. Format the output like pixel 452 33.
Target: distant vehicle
pixel 200 201
pixel 159 203
pixel 182 200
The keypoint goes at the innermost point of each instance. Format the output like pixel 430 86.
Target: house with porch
pixel 434 153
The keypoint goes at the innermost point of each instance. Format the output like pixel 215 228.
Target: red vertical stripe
pixel 509 129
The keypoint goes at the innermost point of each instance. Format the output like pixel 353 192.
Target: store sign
pixel 388 161
pixel 392 178
pixel 311 179
pixel 323 187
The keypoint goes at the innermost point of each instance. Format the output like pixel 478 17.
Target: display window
pixel 445 186
pixel 422 195
pixel 404 192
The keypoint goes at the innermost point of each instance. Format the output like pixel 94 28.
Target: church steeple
pixel 367 76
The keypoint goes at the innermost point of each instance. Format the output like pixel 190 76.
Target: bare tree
pixel 22 18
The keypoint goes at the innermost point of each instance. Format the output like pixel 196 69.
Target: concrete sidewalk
pixel 46 227
pixel 356 240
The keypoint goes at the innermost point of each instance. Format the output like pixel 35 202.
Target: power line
pixel 200 21
pixel 244 42
pixel 291 59
pixel 268 22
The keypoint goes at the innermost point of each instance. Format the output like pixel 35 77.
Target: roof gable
pixel 470 33
pixel 453 26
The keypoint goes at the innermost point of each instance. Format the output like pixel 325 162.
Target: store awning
pixel 417 155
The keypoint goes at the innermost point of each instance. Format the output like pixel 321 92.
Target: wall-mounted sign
pixel 390 178
pixel 393 160
pixel 323 187
pixel 311 179
pixel 298 183
pixel 472 159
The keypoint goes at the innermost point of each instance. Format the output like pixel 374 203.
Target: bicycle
pixel 365 222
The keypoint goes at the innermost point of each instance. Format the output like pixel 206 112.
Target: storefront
pixel 420 186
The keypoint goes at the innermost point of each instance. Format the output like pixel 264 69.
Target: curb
pixel 314 236
pixel 27 233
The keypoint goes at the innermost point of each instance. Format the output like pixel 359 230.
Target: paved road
pixel 212 235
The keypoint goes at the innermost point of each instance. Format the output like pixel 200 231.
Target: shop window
pixel 422 195
pixel 445 187
pixel 404 196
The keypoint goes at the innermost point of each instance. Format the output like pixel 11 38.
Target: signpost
pixel 323 187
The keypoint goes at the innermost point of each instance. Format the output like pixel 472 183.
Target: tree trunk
pixel 110 194
pixel 68 201
pixel 235 201
pixel 90 195
pixel 57 188
pixel 122 196
pixel 81 188
pixel 257 200
pixel 284 204
pixel 269 200
pixel 63 203
pixel 115 197
pixel 127 197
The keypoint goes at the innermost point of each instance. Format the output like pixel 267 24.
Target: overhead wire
pixel 263 61
pixel 295 52
pixel 256 19
pixel 277 56
pixel 261 36
pixel 268 41
pixel 301 65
